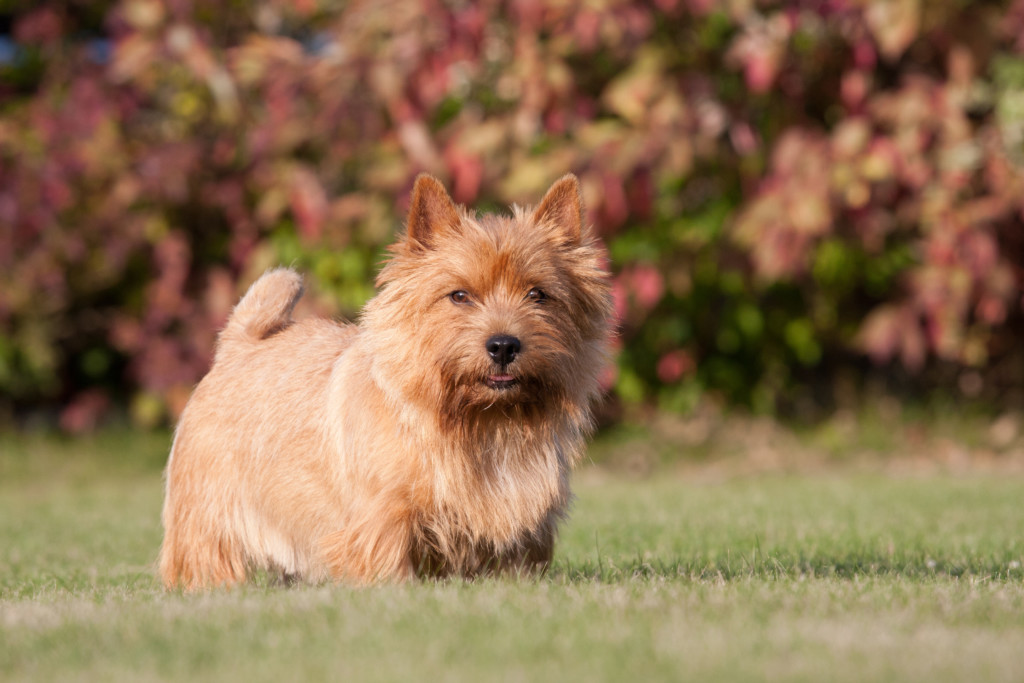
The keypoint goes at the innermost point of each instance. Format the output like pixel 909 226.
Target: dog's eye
pixel 459 296
pixel 536 295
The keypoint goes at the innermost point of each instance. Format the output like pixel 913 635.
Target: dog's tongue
pixel 502 378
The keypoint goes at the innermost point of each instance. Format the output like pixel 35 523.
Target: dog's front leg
pixel 374 548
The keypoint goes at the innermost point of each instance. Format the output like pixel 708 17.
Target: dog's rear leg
pixel 197 561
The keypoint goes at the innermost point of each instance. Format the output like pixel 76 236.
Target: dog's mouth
pixel 501 381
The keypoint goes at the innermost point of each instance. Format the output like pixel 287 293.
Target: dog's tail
pixel 266 308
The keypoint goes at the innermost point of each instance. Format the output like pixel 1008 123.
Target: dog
pixel 434 438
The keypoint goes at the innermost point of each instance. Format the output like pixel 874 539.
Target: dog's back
pixel 211 511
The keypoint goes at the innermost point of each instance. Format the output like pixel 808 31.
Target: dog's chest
pixel 492 495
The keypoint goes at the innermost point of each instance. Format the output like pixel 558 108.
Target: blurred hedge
pixel 784 188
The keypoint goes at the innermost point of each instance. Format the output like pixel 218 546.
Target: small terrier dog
pixel 433 438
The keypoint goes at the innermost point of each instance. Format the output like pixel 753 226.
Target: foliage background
pixel 791 192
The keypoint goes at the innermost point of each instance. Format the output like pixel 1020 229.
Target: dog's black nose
pixel 503 349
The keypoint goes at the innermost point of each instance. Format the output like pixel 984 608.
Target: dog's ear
pixel 562 208
pixel 431 212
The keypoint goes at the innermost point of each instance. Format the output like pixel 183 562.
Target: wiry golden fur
pixel 400 446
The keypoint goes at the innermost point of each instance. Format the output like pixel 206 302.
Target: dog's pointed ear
pixel 562 208
pixel 431 212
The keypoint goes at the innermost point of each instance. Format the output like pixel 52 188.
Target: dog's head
pixel 508 314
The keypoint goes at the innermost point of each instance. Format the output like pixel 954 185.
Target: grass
pixel 837 574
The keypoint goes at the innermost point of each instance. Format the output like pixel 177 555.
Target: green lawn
pixel 837 575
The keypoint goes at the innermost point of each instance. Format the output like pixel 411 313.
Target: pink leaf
pixel 673 365
pixel 309 203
